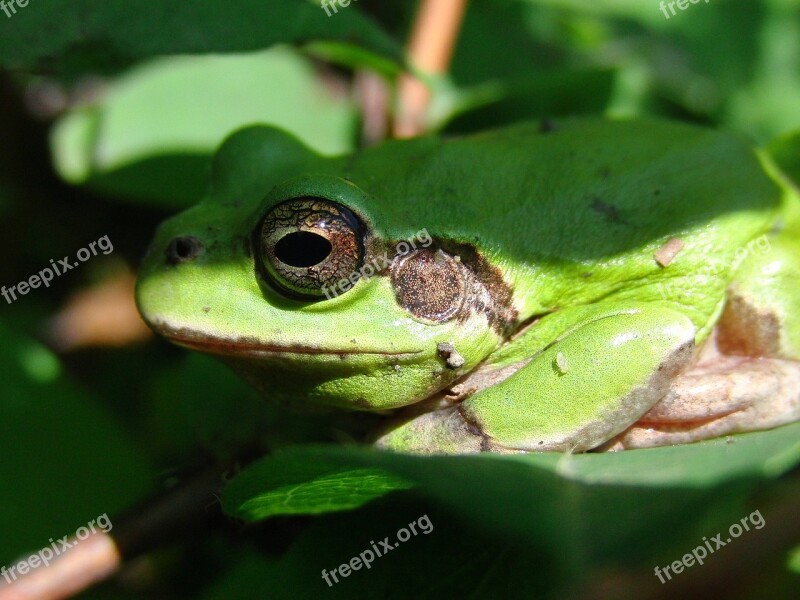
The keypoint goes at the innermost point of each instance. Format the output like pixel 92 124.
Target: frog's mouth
pixel 251 347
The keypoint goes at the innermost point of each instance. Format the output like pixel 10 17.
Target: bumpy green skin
pixel 767 280
pixel 572 220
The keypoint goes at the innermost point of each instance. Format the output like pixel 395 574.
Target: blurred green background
pixel 109 115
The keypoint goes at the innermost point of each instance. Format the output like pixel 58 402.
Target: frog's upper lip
pixel 251 347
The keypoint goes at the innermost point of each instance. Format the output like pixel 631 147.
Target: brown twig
pixel 430 50
pixel 90 561
pixel 373 96
pixel 185 509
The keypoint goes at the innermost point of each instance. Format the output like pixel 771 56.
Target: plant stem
pixel 430 50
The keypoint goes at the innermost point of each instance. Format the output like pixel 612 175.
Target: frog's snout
pixel 184 249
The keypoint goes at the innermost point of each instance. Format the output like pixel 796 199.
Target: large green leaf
pixel 69 37
pixel 153 136
pixel 534 526
pixel 603 504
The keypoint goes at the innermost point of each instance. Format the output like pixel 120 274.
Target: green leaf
pixel 489 30
pixel 200 403
pixel 65 459
pixel 288 485
pixel 616 501
pixel 529 526
pixel 152 138
pixel 70 37
pixel 635 10
pixel 546 94
pixel 767 105
pixel 348 55
pixel 793 561
pixel 453 559
pixel 786 152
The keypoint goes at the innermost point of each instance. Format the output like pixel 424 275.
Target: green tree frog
pixel 584 285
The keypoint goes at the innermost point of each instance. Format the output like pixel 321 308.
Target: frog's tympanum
pixel 588 285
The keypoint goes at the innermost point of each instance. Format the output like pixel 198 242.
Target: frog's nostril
pixel 183 249
pixel 302 249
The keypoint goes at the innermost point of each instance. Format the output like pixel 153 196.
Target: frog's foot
pixel 748 375
pixel 721 395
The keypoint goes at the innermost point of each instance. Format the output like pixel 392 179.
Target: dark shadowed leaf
pixel 65 459
pixel 70 37
pixel 606 504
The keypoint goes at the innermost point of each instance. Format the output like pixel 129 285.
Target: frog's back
pixel 573 203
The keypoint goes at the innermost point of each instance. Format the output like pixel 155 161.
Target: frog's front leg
pixel 589 384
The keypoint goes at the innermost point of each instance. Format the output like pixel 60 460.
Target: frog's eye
pixel 305 246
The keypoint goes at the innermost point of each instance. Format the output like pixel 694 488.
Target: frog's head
pixel 315 287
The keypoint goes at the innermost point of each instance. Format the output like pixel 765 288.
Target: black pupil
pixel 302 249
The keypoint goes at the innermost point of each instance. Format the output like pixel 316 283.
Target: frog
pixel 577 285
